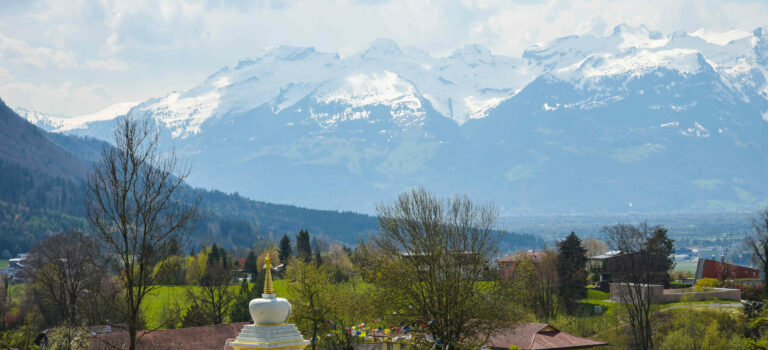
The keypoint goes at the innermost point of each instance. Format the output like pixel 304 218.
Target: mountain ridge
pixel 296 125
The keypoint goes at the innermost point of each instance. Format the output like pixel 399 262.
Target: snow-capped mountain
pixel 57 123
pixel 633 121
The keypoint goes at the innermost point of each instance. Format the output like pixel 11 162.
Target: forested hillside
pixel 44 191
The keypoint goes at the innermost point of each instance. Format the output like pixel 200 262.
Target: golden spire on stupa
pixel 268 287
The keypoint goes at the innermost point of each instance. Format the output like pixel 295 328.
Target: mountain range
pixel 43 192
pixel 636 121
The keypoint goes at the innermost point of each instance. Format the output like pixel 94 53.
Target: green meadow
pixel 174 299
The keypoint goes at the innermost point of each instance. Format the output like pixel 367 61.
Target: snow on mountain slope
pixel 46 122
pixel 721 38
pixel 685 61
pixel 580 124
pixel 462 86
pixel 56 123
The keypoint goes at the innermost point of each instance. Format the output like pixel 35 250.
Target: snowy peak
pixel 290 53
pixel 462 86
pixel 473 53
pixel 684 61
pixel 721 38
pixel 62 124
pixel 382 48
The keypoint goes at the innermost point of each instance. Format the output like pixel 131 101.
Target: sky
pixel 80 56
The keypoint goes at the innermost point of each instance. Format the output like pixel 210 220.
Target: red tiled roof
pixel 191 338
pixel 539 336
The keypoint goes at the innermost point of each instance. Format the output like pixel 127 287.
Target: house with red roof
pixel 540 336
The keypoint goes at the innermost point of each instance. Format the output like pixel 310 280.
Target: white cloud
pixel 63 99
pixel 107 65
pixel 18 51
pixel 5 75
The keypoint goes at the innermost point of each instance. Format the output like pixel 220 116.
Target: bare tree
pixel 725 270
pixel 594 247
pixel 4 298
pixel 433 256
pixel 639 261
pixel 545 285
pixel 64 270
pixel 135 207
pixel 759 243
pixel 534 283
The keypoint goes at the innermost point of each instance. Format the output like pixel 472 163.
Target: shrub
pixel 66 338
pixel 751 293
pixel 678 285
pixel 751 308
pixel 706 284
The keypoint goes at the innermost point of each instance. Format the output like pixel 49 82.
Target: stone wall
pixel 661 295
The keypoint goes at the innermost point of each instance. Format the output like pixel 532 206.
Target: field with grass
pixel 3 263
pixel 174 299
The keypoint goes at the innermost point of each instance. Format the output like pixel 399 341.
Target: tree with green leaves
pixel 571 272
pixel 309 290
pixel 247 292
pixel 303 246
pixel 285 248
pixel 661 245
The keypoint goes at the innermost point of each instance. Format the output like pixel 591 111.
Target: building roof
pixel 539 336
pixel 606 255
pixel 533 255
pixel 190 338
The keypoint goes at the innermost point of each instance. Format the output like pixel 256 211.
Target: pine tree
pixel 285 249
pixel 303 247
pixel 571 267
pixel 664 246
pixel 318 259
pixel 240 309
pixel 251 265
pixel 224 258
pixel 213 256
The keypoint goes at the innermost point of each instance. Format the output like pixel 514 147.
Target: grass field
pixel 167 298
pixel 3 263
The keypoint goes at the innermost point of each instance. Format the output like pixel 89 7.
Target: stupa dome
pixel 269 313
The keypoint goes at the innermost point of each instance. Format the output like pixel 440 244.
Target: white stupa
pixel 269 313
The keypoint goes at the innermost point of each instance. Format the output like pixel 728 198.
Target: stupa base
pixel 273 337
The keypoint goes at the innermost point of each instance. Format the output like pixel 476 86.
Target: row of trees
pixel 429 264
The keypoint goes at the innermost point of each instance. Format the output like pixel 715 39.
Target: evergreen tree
pixel 224 258
pixel 213 256
pixel 240 309
pixel 318 259
pixel 251 265
pixel 571 267
pixel 660 244
pixel 285 249
pixel 303 247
